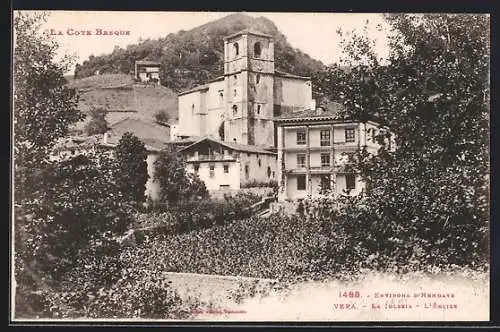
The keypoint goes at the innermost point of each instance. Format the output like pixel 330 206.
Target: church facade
pixel 239 106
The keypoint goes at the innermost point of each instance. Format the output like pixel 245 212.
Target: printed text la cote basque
pixel 86 32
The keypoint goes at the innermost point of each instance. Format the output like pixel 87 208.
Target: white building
pixel 240 105
pixel 314 149
pixel 225 165
pixel 147 71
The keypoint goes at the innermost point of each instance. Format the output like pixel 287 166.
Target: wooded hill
pixel 189 58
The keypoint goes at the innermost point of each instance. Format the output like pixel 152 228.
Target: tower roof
pixel 249 31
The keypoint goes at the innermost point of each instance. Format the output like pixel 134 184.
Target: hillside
pixel 192 57
pixel 121 97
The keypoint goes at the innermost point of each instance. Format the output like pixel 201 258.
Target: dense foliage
pixel 136 294
pixel 193 57
pixel 428 200
pixel 43 105
pixel 176 184
pixel 68 213
pixel 198 214
pixel 132 173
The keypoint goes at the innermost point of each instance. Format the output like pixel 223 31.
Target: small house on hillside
pixel 147 71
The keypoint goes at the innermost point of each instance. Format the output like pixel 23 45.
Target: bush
pixel 260 184
pixel 70 210
pixel 177 186
pixel 276 247
pixel 331 239
pixel 137 294
pixel 194 215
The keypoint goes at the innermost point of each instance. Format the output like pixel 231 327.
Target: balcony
pixel 211 157
pixel 315 146
pixel 319 169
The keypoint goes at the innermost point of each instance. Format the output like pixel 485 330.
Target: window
pixel 350 181
pixel 196 167
pixel 257 79
pixel 268 171
pixel 325 137
pixel 234 140
pixel 212 171
pixel 235 78
pixel 301 137
pixel 258 109
pixel 236 48
pixel 221 97
pixel 235 109
pixel 256 50
pixel 192 109
pixel 301 160
pixel 226 168
pixel 224 186
pixel 325 160
pixel 258 162
pixel 301 182
pixel 247 171
pixel 349 135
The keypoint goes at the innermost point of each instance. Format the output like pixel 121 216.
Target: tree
pixel 44 107
pixel 132 172
pixel 67 213
pixel 176 186
pixel 97 124
pixel 428 200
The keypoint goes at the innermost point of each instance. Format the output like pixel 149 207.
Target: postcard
pixel 250 167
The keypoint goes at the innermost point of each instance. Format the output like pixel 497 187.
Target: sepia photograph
pixel 250 167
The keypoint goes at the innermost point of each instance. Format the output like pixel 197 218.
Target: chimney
pixel 313 104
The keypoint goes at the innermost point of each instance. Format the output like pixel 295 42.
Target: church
pixel 239 106
pixel 256 124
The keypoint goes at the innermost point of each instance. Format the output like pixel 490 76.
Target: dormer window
pixel 256 50
pixel 236 48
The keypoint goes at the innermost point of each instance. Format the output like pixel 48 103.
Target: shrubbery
pixel 328 238
pixel 193 215
pixel 137 294
pixel 259 184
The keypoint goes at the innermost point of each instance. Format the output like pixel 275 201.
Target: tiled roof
pixel 233 146
pixel 147 62
pixel 288 75
pixel 330 110
pixel 248 31
pixel 142 129
pixel 202 87
pixel 151 144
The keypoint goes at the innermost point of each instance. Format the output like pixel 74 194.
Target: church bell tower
pixel 249 84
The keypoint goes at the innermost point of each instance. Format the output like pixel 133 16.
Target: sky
pixel 313 33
